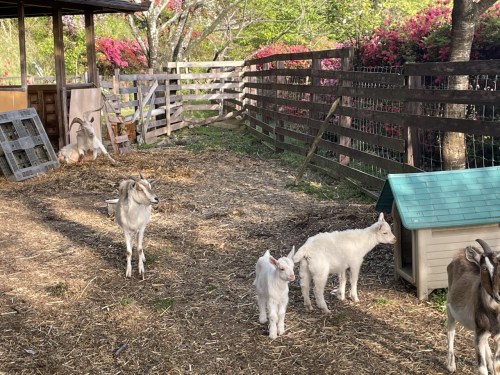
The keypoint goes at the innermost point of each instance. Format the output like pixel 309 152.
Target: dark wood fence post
pixel 313 98
pixel 410 133
pixel 279 138
pixel 264 103
pixel 346 64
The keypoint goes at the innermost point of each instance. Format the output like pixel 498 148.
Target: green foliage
pixel 438 299
pixel 162 303
pixel 209 137
pixel 126 301
pixel 381 301
pixel 350 19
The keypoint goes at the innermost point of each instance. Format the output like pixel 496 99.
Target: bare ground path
pixel 67 308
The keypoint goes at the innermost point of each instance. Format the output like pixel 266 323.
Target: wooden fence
pixel 162 103
pixel 391 119
pixel 388 117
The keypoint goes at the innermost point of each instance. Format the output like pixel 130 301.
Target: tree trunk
pixel 464 16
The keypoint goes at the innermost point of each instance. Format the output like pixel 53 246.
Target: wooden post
pixel 22 44
pixel 410 134
pixel 279 138
pixel 141 115
pixel 346 64
pixel 90 44
pixel 253 102
pixel 167 106
pixel 313 98
pixel 116 82
pixel 60 78
pixel 265 92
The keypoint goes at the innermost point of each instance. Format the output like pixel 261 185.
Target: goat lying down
pixel 474 300
pixel 271 284
pixel 133 212
pixel 86 141
pixel 334 253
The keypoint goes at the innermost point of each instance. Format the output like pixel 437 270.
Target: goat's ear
pixel 291 253
pixel 152 182
pixel 141 176
pixel 472 254
pixel 273 261
pixel 381 217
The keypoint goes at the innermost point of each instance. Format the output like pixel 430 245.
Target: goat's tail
pixel 301 253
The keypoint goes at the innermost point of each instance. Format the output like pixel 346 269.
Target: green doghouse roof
pixel 444 199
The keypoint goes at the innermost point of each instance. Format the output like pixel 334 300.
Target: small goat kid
pixel 335 252
pixel 271 283
pixel 133 212
pixel 474 300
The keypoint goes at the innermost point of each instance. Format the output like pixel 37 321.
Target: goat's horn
pixel 484 245
pixel 77 120
pixel 86 113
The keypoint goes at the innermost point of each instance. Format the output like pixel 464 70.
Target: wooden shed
pixel 436 214
pixel 51 101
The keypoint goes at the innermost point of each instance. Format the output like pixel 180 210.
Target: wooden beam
pixel 90 42
pixel 22 43
pixel 62 111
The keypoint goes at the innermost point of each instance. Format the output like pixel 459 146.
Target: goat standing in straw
pixel 133 212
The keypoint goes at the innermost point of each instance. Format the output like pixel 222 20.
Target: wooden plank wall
pixel 281 112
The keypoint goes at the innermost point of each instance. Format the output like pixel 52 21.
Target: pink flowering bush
pixel 426 37
pixel 279 48
pixel 126 55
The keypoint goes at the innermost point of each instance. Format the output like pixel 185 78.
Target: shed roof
pixel 37 8
pixel 445 198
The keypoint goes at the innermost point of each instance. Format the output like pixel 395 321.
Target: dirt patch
pixel 67 308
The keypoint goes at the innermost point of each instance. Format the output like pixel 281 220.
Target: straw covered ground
pixel 67 308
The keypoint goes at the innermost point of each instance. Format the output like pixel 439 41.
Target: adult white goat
pixel 271 283
pixel 133 212
pixel 335 252
pixel 86 140
pixel 474 300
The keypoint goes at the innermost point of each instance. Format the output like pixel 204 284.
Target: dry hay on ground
pixel 67 308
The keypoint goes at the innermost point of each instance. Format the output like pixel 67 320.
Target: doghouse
pixel 436 214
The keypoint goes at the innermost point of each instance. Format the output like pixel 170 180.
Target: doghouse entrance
pixel 406 259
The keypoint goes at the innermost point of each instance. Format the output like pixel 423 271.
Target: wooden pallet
pixel 25 149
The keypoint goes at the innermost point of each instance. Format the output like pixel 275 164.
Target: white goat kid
pixel 474 300
pixel 86 139
pixel 133 212
pixel 334 253
pixel 271 283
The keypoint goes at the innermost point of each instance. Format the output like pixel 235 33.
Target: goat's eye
pixel 282 268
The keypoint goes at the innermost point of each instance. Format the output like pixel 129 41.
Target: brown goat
pixel 474 301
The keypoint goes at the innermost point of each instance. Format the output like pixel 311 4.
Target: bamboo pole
pixel 315 143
